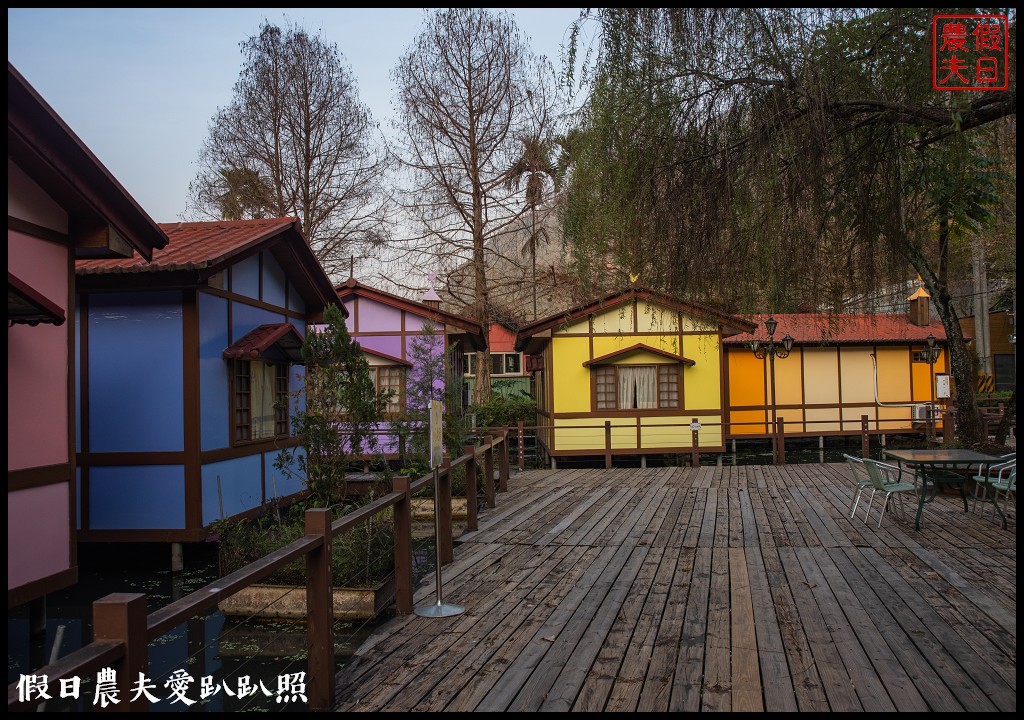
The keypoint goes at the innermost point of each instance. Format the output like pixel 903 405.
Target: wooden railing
pixel 122 630
pixel 866 427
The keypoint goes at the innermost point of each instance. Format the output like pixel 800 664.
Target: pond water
pixel 222 650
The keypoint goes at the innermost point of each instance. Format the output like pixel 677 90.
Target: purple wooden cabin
pixel 386 327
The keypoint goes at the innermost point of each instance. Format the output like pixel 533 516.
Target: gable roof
pixel 384 356
pixel 639 347
pixel 198 250
pixel 43 145
pixel 730 324
pixel 471 328
pixel 825 329
pixel 275 341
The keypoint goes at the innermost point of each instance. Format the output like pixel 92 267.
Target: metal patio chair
pixel 861 482
pixel 883 478
pixel 999 478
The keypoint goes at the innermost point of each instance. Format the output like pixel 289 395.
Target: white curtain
pixel 647 388
pixel 638 387
pixel 262 384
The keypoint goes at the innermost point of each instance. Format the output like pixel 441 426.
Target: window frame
pixel 598 371
pixel 241 394
pixel 399 400
pixel 505 357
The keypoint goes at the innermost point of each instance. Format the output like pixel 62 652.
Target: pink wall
pixel 37 361
pixel 38 533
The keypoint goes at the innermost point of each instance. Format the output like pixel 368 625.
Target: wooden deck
pixel 716 588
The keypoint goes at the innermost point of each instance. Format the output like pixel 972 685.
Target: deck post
pixel 489 471
pixel 947 427
pixel 503 462
pixel 607 444
pixel 520 451
pixel 319 612
pixel 780 434
pixel 471 523
pixel 694 446
pixel 864 442
pixel 403 546
pixel 122 616
pixel 443 506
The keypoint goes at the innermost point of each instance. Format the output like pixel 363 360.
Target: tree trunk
pixel 968 426
pixel 533 255
pixel 482 388
pixel 483 378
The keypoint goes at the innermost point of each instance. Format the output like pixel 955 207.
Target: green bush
pixel 505 412
pixel 361 557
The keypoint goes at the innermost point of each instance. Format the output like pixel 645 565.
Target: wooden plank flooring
pixel 718 588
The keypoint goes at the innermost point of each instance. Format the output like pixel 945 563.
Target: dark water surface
pixel 226 651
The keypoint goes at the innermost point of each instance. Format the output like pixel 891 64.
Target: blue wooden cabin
pixel 181 362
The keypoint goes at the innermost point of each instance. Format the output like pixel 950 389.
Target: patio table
pixel 938 467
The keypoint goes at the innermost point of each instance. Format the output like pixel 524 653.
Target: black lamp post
pixel 770 350
pixel 932 356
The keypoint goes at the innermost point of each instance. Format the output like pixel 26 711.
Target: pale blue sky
pixel 139 86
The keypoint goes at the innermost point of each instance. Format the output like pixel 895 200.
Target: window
pixel 604 377
pixel 505 364
pixel 668 386
pixel 636 387
pixel 501 364
pixel 261 400
pixel 390 378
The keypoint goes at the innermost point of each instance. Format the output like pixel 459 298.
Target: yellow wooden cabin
pixel 628 373
pixel 639 361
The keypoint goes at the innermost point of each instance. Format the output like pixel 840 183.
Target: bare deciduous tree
pixel 468 89
pixel 296 141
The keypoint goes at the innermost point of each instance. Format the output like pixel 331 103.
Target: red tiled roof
pixel 256 343
pixel 825 329
pixel 193 246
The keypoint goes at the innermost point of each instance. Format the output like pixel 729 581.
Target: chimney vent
pixel 920 312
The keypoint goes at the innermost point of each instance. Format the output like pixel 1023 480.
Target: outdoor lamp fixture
pixel 932 355
pixel 770 350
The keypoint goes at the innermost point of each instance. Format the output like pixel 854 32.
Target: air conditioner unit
pixel 922 412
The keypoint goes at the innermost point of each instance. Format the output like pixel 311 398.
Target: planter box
pixel 423 509
pixel 274 601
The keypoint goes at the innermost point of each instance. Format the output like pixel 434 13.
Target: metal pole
pixel 439 608
pixel 775 437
